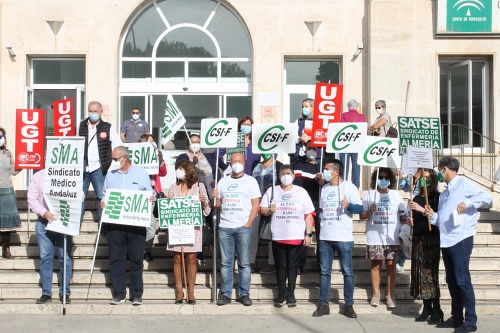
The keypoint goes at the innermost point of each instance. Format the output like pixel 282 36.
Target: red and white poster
pixel 64 117
pixel 30 125
pixel 327 106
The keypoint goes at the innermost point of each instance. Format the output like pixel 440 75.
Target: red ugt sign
pixel 29 139
pixel 327 105
pixel 64 117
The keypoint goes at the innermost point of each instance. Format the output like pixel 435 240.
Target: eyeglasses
pixel 136 113
pixel 2 136
pixel 378 107
pixel 384 177
pixel 116 159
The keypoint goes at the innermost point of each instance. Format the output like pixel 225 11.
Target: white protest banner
pixel 129 207
pixel 274 138
pixel 419 132
pixel 172 121
pixel 417 158
pixel 180 216
pixel 145 155
pixel 63 183
pixel 382 152
pixel 219 132
pixel 346 137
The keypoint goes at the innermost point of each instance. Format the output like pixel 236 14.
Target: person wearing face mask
pixel 352 116
pixel 308 175
pixel 291 227
pixel 126 241
pixel 202 164
pixel 339 201
pixel 263 173
pixel 134 127
pixel 245 126
pixel 382 123
pixel 156 184
pixel 100 139
pixel 238 198
pixel 9 215
pixel 425 254
pixel 304 128
pixel 187 185
pixel 456 219
pixel 384 210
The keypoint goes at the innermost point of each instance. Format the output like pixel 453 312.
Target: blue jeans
pixel 238 239
pixel 351 157
pixel 95 177
pixel 402 257
pixel 456 261
pixel 327 253
pixel 126 241
pixel 46 240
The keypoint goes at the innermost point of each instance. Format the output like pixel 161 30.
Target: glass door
pixel 460 104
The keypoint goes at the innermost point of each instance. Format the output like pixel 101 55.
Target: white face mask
pixel 135 116
pixel 286 179
pixel 237 168
pixel 379 111
pixel 180 174
pixel 2 142
pixel 116 165
pixel 195 147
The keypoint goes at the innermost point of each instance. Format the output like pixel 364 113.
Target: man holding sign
pixel 238 198
pixel 126 240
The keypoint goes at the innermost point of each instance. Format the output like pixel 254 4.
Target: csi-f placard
pixel 219 132
pixel 382 152
pixel 346 137
pixel 274 138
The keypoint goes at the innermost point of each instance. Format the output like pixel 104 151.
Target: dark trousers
pixel 126 241
pixel 286 260
pixel 456 261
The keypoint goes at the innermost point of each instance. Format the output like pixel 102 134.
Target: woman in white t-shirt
pixel 291 228
pixel 384 208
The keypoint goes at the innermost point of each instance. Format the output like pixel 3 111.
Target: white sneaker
pixel 400 269
pixel 391 303
pixel 375 300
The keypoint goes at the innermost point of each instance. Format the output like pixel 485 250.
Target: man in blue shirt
pixel 457 218
pixel 126 240
pixel 134 127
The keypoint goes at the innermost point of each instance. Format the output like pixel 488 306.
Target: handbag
pixel 265 228
pixel 392 132
pixel 159 195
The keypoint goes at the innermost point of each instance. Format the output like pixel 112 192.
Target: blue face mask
pixel 94 117
pixel 246 129
pixel 327 174
pixel 383 183
pixel 306 112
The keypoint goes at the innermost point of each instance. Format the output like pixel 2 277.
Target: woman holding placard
pixel 187 185
pixel 304 124
pixel 245 127
pixel 425 250
pixel 385 209
pixel 291 228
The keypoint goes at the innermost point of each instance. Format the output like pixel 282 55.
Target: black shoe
pixel 436 317
pixel 68 300
pixel 44 299
pixel 322 310
pixel 148 256
pixel 201 256
pixel 191 302
pixel 466 328
pixel 223 300
pixel 349 311
pixel 280 300
pixel 290 300
pixel 118 299
pixel 137 301
pixel 449 323
pixel 179 301
pixel 245 300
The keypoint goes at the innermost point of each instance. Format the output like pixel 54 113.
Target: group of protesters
pixel 309 196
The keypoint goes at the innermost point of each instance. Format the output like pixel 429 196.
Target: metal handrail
pixel 476 152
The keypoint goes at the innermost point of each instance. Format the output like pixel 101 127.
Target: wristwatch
pixel 309 235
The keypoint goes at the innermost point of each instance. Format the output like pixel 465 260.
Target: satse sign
pixel 29 139
pixel 274 138
pixel 64 117
pixel 327 107
pixel 219 132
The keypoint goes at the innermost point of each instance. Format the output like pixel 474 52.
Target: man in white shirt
pixel 238 198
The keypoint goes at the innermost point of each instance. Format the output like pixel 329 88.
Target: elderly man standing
pixel 457 218
pixel 238 197
pixel 100 139
pixel 133 128
pixel 125 240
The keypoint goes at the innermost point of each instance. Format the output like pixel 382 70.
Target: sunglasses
pixel 378 107
pixel 2 136
pixel 384 177
pixel 116 159
pixel 136 113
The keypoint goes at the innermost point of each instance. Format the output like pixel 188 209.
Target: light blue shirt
pixel 459 190
pixel 136 178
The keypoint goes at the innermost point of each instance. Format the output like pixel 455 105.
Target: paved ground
pixel 227 323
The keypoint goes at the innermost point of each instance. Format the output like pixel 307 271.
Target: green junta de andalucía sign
pixel 470 16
